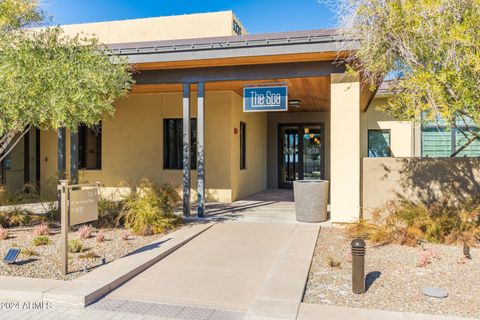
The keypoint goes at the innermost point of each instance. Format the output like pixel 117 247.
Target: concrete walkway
pixel 224 268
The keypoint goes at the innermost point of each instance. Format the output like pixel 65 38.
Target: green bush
pixel 75 246
pixel 108 212
pixel 149 209
pixel 41 241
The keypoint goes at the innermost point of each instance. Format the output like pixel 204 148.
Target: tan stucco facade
pixel 133 146
pixel 214 24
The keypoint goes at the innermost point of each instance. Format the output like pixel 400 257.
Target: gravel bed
pixel 394 279
pixel 46 261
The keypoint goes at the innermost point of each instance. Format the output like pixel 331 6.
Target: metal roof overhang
pixel 247 47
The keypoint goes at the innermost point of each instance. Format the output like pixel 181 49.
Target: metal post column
pixel 62 137
pixel 186 149
pixel 74 157
pixel 201 149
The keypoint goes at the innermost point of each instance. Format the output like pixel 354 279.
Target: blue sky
pixel 257 15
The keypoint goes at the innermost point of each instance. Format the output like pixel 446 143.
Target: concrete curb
pixel 86 289
pixel 315 311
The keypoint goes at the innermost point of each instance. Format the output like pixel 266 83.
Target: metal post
pixel 63 188
pixel 186 149
pixel 61 154
pixel 74 157
pixel 358 266
pixel 201 150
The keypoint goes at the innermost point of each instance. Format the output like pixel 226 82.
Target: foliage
pixel 11 198
pixel 89 255
pixel 85 232
pixel 100 237
pixel 19 217
pixel 331 262
pixel 3 233
pixel 427 255
pixel 410 223
pixel 41 230
pixel 108 212
pixel 149 209
pixel 75 246
pixel 41 241
pixel 28 252
pixel 430 49
pixel 36 66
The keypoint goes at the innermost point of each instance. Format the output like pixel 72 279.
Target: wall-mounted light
pixel 294 103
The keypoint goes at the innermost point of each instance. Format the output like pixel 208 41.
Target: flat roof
pixel 293 42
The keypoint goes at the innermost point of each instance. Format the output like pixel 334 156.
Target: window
pixel 440 141
pixel 173 143
pixel 243 141
pixel 379 143
pixel 90 147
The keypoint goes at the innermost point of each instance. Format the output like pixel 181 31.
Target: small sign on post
pixel 78 204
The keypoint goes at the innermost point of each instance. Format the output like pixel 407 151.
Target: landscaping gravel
pixel 45 263
pixel 394 279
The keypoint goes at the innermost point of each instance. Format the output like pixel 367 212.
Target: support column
pixel 201 149
pixel 186 149
pixel 62 164
pixel 74 157
pixel 345 147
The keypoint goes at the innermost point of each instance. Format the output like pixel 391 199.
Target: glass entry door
pixel 301 153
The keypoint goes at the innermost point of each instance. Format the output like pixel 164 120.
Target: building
pixel 192 73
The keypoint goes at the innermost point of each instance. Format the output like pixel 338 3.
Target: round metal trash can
pixel 311 200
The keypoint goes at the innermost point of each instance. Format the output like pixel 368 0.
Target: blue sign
pixel 265 99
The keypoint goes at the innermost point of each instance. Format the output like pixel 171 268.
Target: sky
pixel 258 16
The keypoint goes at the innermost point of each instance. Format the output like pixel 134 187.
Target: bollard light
pixel 358 266
pixel 466 251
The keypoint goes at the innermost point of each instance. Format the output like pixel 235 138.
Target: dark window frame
pixel 178 137
pixel 243 145
pixel 389 131
pixel 82 150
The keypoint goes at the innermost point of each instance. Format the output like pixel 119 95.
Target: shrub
pixel 28 252
pixel 28 194
pixel 3 233
pixel 410 223
pixel 89 255
pixel 108 212
pixel 331 262
pixel 75 246
pixel 100 237
pixel 19 217
pixel 41 241
pixel 149 209
pixel 84 232
pixel 41 230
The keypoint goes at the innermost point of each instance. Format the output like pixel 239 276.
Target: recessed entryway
pixel 301 153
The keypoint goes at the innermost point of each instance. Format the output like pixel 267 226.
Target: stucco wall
pixel 132 144
pixel 276 118
pixel 253 178
pixel 402 133
pixel 424 180
pixel 159 28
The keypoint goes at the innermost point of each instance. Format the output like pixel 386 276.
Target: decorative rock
pixel 435 292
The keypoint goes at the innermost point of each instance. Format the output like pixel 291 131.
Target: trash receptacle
pixel 311 200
